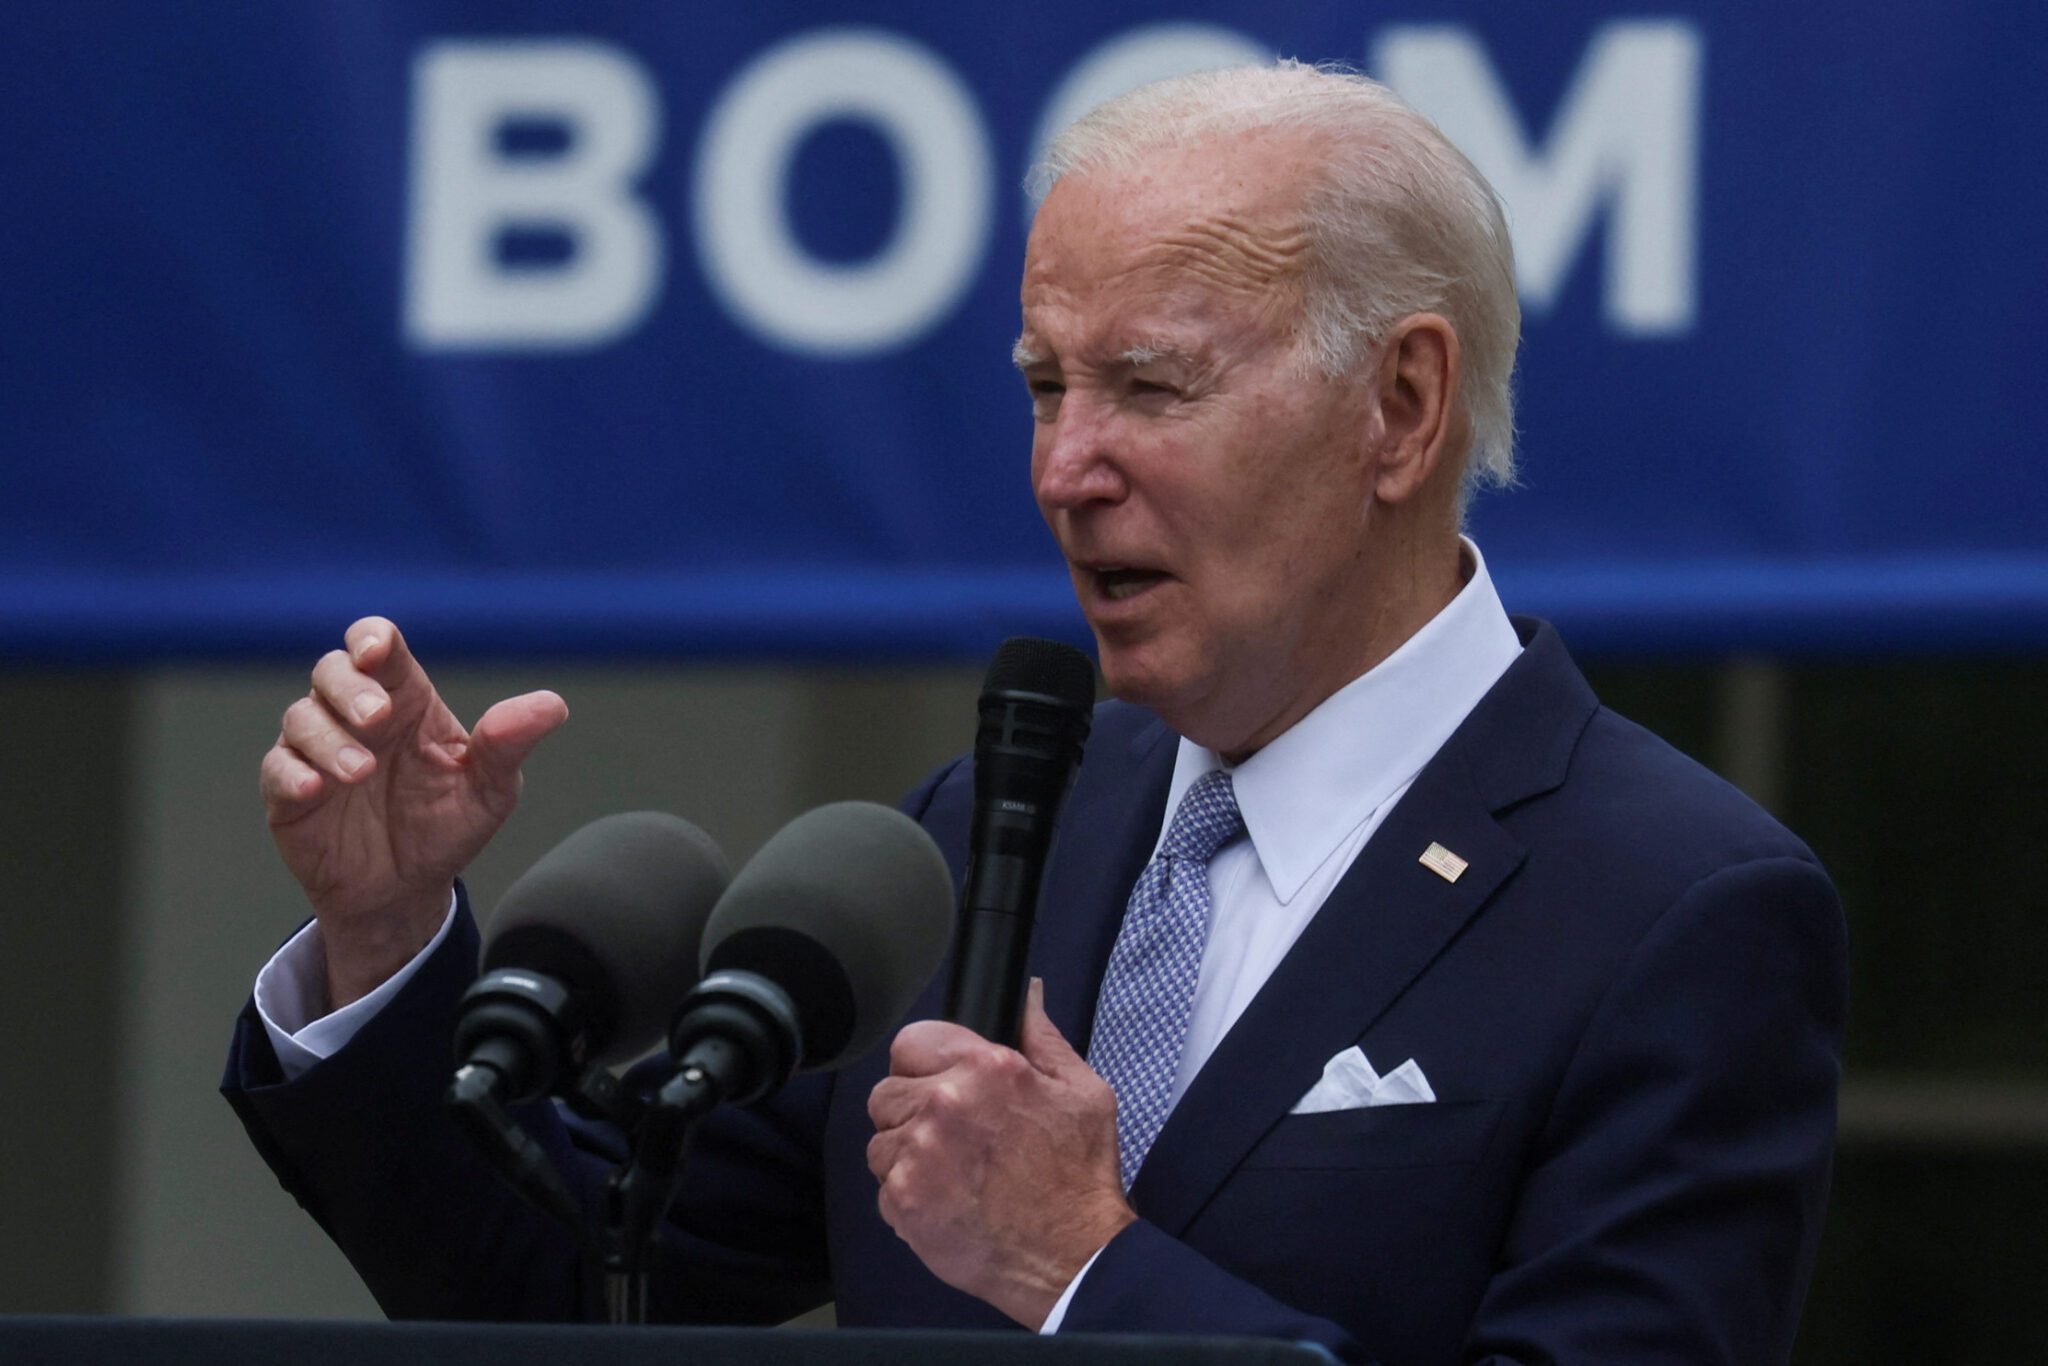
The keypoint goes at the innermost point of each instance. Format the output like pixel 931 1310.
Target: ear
pixel 1416 390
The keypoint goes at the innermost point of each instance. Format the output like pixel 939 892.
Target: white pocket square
pixel 1350 1083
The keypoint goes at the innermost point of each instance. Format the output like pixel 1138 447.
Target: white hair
pixel 1399 222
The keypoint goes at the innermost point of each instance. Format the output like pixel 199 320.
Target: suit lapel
pixel 1386 921
pixel 1106 836
pixel 1382 926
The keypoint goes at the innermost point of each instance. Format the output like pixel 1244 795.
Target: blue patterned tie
pixel 1141 1017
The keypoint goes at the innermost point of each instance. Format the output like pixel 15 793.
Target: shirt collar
pixel 1321 778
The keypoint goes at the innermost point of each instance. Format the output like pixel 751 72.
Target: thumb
pixel 1040 1040
pixel 506 734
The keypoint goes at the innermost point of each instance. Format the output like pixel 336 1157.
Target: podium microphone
pixel 589 950
pixel 818 948
pixel 821 944
pixel 587 953
pixel 1036 707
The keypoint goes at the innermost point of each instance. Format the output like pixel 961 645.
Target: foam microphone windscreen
pixel 616 912
pixel 848 909
pixel 1048 667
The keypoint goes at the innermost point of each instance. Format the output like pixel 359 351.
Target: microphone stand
pixel 639 1194
pixel 636 1196
pixel 737 1037
pixel 473 1103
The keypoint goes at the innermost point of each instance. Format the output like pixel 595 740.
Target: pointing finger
pixel 378 649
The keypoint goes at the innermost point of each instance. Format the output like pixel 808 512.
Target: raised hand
pixel 377 797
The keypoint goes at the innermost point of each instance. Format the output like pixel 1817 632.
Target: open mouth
pixel 1119 584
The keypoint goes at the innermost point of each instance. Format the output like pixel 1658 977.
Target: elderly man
pixel 1396 996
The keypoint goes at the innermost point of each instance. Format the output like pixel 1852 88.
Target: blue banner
pixel 613 328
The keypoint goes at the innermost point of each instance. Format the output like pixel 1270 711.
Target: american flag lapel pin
pixel 1442 862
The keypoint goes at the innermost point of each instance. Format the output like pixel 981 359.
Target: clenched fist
pixel 998 1166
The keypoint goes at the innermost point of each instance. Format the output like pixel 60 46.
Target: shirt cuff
pixel 292 988
pixel 1059 1308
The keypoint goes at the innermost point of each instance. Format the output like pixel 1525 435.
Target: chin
pixel 1186 691
pixel 1122 671
pixel 1146 676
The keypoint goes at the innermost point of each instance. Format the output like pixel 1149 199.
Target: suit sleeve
pixel 1670 1208
pixel 362 1142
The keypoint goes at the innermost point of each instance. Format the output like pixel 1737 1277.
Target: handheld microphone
pixel 1036 708
pixel 821 944
pixel 587 952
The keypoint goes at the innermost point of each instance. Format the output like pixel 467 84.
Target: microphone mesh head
pixel 616 911
pixel 1046 667
pixel 865 885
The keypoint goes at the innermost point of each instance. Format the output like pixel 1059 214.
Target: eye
pixel 1045 397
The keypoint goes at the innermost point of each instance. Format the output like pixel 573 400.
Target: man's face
pixel 1208 488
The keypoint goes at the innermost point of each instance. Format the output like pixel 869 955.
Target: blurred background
pixel 663 361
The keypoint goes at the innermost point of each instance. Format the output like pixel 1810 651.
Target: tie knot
pixel 1206 819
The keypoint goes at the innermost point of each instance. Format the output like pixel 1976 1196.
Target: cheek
pixel 1254 530
pixel 1283 544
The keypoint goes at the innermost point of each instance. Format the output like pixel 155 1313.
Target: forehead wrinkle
pixel 1228 252
pixel 1234 253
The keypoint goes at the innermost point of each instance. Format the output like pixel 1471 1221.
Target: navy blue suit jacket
pixel 1629 1006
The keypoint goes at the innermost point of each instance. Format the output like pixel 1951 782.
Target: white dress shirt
pixel 1310 799
pixel 291 993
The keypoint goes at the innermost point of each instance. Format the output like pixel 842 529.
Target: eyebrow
pixel 1024 357
pixel 1157 349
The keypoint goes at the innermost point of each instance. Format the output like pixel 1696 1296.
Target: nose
pixel 1073 458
